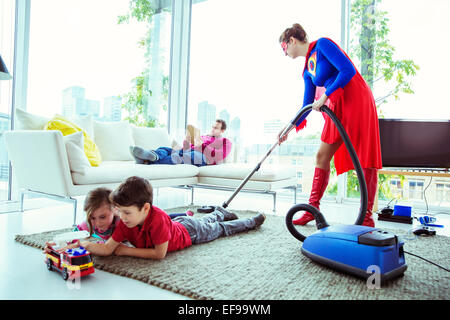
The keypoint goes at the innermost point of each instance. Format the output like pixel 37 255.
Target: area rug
pixel 266 264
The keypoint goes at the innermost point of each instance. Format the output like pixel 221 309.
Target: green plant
pixel 136 102
pixel 371 47
pixel 141 10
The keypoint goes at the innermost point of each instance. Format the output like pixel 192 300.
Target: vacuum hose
pixel 318 216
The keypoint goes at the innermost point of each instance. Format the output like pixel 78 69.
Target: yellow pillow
pixel 66 127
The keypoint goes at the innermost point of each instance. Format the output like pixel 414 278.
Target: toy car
pixel 72 263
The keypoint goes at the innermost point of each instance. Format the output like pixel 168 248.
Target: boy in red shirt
pixel 154 233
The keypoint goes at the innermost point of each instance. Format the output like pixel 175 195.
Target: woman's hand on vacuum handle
pixel 281 139
pixel 320 102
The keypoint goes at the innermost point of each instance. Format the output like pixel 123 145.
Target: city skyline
pixel 74 102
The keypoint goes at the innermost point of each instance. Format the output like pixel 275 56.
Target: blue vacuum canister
pixel 357 250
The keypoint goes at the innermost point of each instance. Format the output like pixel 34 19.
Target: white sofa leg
pixel 71 200
pixel 22 195
pixel 74 201
pixel 274 202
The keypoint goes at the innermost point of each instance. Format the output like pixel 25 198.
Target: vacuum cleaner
pixel 353 249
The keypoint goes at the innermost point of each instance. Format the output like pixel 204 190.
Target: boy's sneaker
pixel 143 154
pixel 259 219
pixel 228 216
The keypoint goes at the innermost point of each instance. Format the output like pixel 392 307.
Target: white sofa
pixel 42 164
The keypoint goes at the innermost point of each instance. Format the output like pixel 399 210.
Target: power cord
pixel 391 201
pixel 415 255
pixel 424 195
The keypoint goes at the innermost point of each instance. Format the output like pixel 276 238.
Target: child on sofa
pixel 151 231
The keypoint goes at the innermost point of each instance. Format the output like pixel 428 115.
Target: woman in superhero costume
pixel 330 73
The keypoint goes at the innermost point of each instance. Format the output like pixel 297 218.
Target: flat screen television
pixel 415 143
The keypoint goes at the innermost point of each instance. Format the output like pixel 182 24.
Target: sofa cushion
pixel 84 122
pixel 74 143
pixel 151 138
pixel 28 121
pixel 241 170
pixel 114 140
pixel 118 171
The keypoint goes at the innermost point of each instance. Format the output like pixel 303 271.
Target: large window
pixel 7 22
pixel 83 62
pixel 78 59
pixel 405 34
pixel 423 45
pixel 238 72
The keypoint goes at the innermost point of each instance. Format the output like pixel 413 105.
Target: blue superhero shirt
pixel 325 66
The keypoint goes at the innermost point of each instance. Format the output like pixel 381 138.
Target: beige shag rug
pixel 266 264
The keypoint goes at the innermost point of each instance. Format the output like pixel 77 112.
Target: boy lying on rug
pixel 151 230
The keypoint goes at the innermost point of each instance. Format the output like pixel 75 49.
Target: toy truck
pixel 72 263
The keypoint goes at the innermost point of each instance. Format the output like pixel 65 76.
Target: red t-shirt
pixel 157 229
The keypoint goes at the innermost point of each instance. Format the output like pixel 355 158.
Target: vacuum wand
pixel 286 131
pixel 239 188
pixel 294 121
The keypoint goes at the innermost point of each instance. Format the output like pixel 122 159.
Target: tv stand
pixel 418 172
pixel 424 172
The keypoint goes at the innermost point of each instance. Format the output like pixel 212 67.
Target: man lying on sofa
pixel 197 150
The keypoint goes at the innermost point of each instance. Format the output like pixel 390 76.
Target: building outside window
pixel 396 188
pixel 415 189
pixel 443 192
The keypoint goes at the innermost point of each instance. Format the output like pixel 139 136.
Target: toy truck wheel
pixel 49 264
pixel 65 274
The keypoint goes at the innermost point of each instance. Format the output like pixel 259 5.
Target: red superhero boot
pixel 371 176
pixel 319 185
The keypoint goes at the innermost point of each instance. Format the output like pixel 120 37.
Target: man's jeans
pixel 170 156
pixel 212 226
